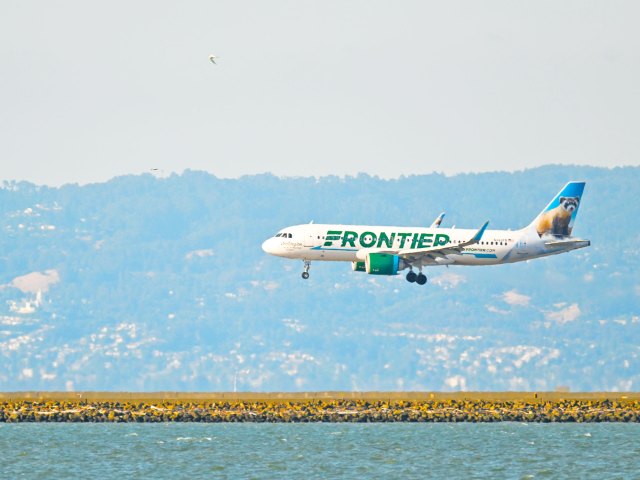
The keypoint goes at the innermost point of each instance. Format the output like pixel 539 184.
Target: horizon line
pixel 160 174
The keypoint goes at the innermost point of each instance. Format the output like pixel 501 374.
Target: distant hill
pixel 145 283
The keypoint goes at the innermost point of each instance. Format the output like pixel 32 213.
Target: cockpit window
pixel 290 235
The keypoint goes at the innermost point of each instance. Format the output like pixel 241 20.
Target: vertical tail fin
pixel 558 217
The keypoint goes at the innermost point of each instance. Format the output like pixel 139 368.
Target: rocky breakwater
pixel 322 411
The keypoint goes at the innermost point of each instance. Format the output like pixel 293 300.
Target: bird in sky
pixel 213 59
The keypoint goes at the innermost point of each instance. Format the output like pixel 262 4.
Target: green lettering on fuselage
pixel 384 240
pixel 349 238
pixel 441 239
pixel 368 239
pixel 332 235
pixel 425 240
pixel 403 238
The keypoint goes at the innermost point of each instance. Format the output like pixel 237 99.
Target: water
pixel 401 450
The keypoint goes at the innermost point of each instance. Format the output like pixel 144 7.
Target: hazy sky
pixel 91 90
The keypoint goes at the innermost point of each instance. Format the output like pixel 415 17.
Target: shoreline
pixel 304 407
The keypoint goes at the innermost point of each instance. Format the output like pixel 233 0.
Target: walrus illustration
pixel 556 221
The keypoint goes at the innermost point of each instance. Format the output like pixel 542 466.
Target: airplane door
pixel 521 246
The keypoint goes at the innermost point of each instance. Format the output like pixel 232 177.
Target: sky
pixel 93 90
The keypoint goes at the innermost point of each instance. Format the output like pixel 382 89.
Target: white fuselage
pixel 349 243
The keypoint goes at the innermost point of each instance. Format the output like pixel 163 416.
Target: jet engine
pixel 358 267
pixel 383 264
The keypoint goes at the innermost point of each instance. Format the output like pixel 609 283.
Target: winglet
pixel 478 236
pixel 436 223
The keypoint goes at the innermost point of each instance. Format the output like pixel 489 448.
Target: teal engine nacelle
pixel 358 267
pixel 382 264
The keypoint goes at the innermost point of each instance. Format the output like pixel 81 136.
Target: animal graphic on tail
pixel 558 220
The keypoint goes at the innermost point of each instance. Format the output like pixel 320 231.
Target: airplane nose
pixel 267 246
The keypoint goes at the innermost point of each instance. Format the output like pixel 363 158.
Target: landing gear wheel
pixel 411 276
pixel 421 279
pixel 307 265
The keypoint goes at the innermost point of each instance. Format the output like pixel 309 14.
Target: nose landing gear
pixel 307 265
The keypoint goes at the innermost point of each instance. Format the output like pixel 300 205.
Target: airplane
pixel 386 250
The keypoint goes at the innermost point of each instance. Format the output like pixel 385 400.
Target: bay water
pixel 327 450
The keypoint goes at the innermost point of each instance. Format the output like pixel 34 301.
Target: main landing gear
pixel 307 265
pixel 419 278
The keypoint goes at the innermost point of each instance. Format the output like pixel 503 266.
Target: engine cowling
pixel 358 267
pixel 383 264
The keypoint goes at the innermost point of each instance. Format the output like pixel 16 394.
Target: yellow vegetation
pixel 329 410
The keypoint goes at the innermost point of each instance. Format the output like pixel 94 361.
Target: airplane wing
pixel 415 254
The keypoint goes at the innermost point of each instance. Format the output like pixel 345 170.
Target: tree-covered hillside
pixel 145 283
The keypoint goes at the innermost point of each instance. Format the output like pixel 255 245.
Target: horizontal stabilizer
pixel 568 243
